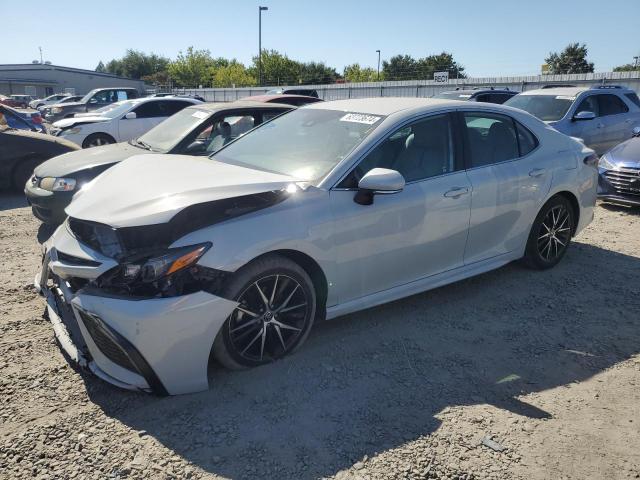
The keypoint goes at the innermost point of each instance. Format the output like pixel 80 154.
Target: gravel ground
pixel 514 374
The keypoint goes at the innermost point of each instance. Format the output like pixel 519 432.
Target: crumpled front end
pixel 156 342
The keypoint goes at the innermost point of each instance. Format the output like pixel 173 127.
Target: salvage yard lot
pixel 546 363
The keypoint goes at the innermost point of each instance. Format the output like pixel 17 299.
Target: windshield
pixel 305 144
pixel 547 108
pixel 172 131
pixel 454 96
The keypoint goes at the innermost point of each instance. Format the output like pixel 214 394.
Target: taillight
pixel 591 160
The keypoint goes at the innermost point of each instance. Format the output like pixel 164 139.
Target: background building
pixel 41 80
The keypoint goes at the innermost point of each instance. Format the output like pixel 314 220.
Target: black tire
pixel 97 140
pixel 273 333
pixel 550 234
pixel 23 172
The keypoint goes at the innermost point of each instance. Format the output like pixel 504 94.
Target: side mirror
pixel 636 131
pixel 195 147
pixel 584 116
pixel 131 115
pixel 378 181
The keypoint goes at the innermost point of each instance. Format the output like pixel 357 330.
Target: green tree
pixel 101 68
pixel 356 73
pixel 277 69
pixel 136 64
pixel 159 78
pixel 317 72
pixel 232 74
pixel 442 62
pixel 629 67
pixel 405 67
pixel 400 67
pixel 192 68
pixel 573 59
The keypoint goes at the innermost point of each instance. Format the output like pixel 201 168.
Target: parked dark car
pixel 23 120
pixel 295 100
pixel 93 100
pixel 487 95
pixel 21 151
pixel 619 169
pixel 182 95
pixel 198 130
pixel 308 92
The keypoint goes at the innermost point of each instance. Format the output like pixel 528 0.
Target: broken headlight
pixel 156 268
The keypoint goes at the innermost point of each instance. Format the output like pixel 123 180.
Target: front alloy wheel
pixel 276 306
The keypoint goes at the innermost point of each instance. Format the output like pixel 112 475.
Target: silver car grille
pixel 625 181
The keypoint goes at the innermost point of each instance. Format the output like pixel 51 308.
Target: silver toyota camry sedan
pixel 166 262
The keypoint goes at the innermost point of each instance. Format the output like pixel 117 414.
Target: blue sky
pixel 487 37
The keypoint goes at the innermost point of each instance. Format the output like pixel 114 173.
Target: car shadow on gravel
pixel 372 381
pixel 10 200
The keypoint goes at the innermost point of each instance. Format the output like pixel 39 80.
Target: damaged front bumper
pixel 159 345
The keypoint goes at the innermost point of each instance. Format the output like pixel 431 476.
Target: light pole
pixel 41 62
pixel 260 9
pixel 635 62
pixel 378 77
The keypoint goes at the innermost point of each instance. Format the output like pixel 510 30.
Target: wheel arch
pixel 95 134
pixel 575 206
pixel 315 272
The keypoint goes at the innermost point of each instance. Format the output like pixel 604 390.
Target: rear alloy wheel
pixel 97 140
pixel 276 308
pixel 550 234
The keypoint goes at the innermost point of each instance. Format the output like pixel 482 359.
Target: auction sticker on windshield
pixel 360 118
pixel 200 114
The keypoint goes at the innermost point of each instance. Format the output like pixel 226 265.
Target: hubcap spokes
pixel 270 317
pixel 555 233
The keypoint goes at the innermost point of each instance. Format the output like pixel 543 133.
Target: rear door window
pixel 169 107
pixel 491 138
pixel 611 105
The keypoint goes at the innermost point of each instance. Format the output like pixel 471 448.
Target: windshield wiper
pixel 141 144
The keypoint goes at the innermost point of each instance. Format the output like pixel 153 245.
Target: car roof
pixel 473 91
pixel 575 91
pixel 217 106
pixel 276 96
pixel 383 105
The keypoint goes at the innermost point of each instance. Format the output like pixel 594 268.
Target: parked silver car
pixel 602 116
pixel 166 260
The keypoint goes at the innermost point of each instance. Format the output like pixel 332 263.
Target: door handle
pixel 456 192
pixel 537 172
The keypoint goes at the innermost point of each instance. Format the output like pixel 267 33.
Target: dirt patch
pixel 514 374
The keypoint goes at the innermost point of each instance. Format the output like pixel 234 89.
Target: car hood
pixel 67 105
pixel 68 122
pixel 72 162
pixel 151 189
pixel 42 137
pixel 626 154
